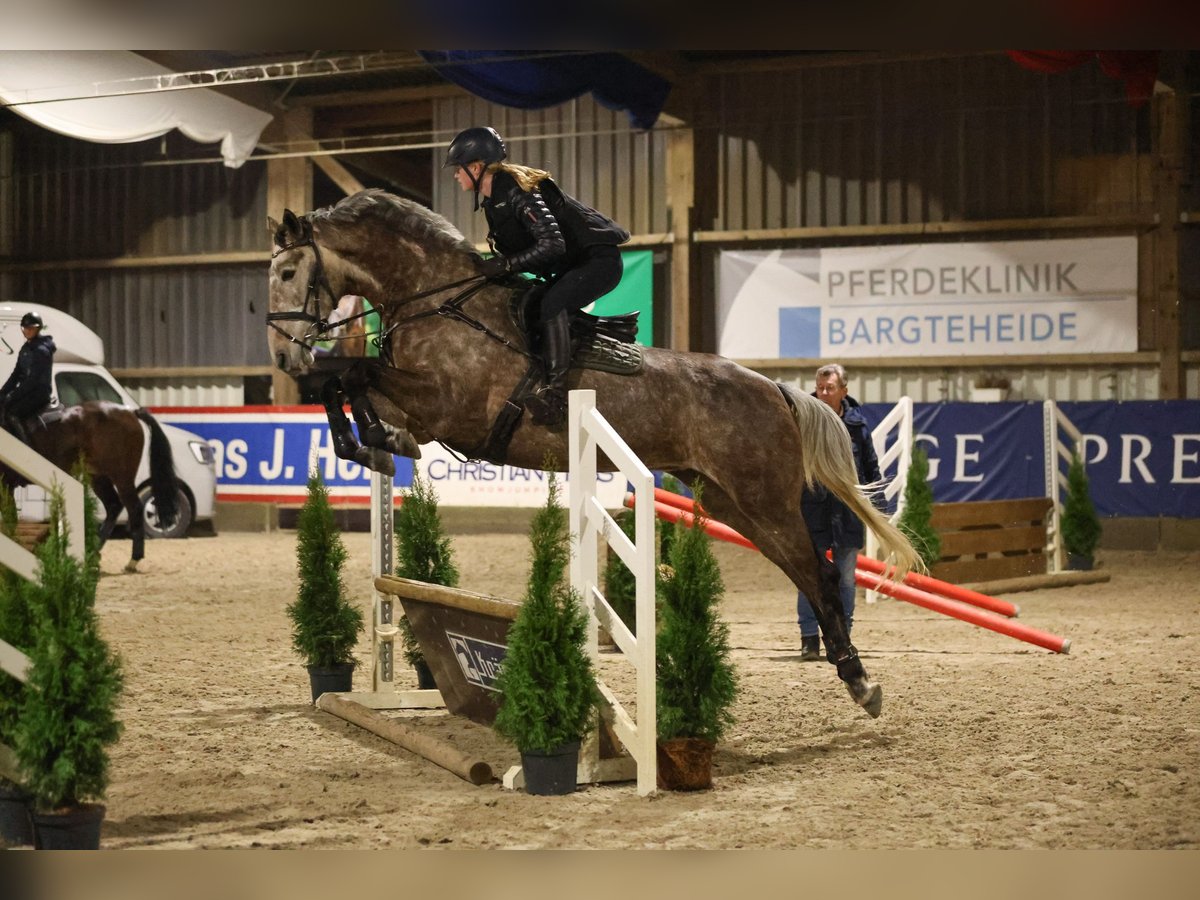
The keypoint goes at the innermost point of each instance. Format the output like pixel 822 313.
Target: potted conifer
pixel 423 554
pixel 325 625
pixel 916 521
pixel 16 629
pixel 68 714
pixel 1080 524
pixel 548 688
pixel 696 680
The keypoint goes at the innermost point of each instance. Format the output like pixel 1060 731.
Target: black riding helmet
pixel 480 144
pixel 32 320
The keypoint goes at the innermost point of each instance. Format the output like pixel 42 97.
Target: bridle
pixel 451 308
pixel 316 281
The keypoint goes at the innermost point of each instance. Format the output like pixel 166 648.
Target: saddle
pixel 21 427
pixel 602 343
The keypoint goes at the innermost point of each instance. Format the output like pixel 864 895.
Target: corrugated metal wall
pixel 155 318
pixel 975 137
pixel 74 200
pixel 592 152
pixel 80 200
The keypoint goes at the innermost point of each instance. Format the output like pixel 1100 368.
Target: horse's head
pixel 305 286
pixel 371 243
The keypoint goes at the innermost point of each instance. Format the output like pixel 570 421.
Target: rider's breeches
pixel 596 275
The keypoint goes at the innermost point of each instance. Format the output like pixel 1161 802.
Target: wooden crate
pixel 30 534
pixel 991 539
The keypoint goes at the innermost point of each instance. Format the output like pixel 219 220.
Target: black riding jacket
pixel 31 377
pixel 544 231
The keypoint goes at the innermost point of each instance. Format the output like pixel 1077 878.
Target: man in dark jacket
pixel 830 522
pixel 534 226
pixel 28 388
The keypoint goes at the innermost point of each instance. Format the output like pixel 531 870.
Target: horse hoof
pixel 869 696
pixel 131 567
pixel 376 460
pixel 401 443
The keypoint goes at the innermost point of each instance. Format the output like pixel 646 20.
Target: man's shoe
pixel 810 649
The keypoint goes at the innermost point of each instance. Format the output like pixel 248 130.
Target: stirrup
pixel 548 405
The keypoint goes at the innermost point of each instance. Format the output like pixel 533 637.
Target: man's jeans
pixel 845 559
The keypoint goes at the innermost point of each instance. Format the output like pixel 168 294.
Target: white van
pixel 79 375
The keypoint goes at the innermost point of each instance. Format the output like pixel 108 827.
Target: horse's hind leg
pixel 103 488
pixel 777 529
pixel 137 524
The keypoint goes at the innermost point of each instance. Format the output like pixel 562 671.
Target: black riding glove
pixel 494 266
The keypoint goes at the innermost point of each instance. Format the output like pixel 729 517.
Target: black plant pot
pixel 425 680
pixel 553 772
pixel 1079 563
pixel 77 828
pixel 15 828
pixel 330 679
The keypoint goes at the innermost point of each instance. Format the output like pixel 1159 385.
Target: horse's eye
pixel 287 274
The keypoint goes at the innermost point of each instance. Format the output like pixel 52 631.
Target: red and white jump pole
pixel 913 579
pixel 945 589
pixel 920 590
pixel 715 529
pixel 962 611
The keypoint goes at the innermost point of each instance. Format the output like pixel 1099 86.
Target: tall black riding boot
pixel 548 404
pixel 16 428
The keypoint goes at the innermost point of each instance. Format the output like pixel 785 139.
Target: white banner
pixel 980 299
pixel 487 484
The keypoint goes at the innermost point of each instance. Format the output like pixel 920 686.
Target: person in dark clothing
pixel 535 227
pixel 830 522
pixel 28 388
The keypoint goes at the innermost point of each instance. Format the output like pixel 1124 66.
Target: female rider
pixel 535 227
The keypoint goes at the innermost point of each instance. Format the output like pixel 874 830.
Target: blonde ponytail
pixel 527 178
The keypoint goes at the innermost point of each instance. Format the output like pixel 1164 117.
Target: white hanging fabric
pixel 200 113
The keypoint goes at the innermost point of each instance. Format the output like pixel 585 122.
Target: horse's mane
pixel 396 213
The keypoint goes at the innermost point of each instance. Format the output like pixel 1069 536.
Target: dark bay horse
pixel 109 438
pixel 754 443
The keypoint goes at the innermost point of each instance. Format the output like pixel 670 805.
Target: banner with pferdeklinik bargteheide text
pixel 1051 297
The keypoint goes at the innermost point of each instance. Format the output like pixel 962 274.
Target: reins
pixel 450 309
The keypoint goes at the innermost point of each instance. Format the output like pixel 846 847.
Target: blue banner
pixel 1143 457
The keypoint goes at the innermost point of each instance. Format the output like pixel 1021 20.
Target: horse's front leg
pixel 344 444
pixel 372 430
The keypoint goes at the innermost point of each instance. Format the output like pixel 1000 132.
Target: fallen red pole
pixel 673 514
pixel 913 579
pixel 962 611
pixel 672 509
pixel 662 495
pixel 945 589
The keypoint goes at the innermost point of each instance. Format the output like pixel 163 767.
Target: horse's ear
pixel 272 227
pixel 291 222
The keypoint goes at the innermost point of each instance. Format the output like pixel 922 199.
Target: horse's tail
pixel 829 459
pixel 162 470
